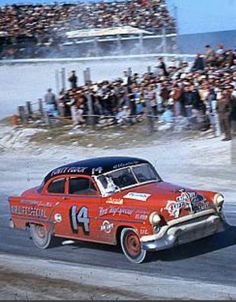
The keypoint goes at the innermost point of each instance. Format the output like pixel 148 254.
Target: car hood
pixel 169 200
pixel 154 192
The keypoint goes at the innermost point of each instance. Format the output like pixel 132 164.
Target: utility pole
pixel 164 39
pixel 176 26
pixel 63 78
pixel 57 79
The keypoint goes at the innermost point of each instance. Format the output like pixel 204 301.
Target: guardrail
pixel 36 111
pixel 118 38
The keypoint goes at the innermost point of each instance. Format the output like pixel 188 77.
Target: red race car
pixel 115 200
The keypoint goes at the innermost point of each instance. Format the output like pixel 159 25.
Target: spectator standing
pixel 66 101
pixel 199 109
pixel 151 94
pixel 210 56
pixel 211 110
pixel 61 103
pixel 50 101
pixel 164 93
pixel 233 112
pixel 224 110
pixel 132 103
pixel 73 79
pixel 158 98
pixel 198 63
pixel 187 99
pixel 229 57
pixel 220 55
pixel 162 66
pixel 122 117
pixel 220 49
pixel 73 107
pixel 127 81
pixel 176 95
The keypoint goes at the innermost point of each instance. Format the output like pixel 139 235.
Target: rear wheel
pixel 131 246
pixel 40 235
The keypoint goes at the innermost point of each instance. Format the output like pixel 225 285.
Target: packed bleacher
pixel 32 26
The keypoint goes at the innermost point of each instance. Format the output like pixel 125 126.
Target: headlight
pixel 218 200
pixel 154 218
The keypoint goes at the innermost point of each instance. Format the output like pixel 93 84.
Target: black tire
pixel 131 246
pixel 40 236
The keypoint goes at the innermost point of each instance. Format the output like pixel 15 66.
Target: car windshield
pixel 126 177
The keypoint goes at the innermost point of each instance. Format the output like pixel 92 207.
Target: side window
pixel 57 186
pixel 81 185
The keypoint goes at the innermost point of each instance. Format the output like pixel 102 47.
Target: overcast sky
pixel 193 16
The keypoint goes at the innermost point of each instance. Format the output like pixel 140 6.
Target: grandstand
pixel 124 27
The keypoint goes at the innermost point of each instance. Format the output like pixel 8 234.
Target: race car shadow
pixel 199 247
pixel 96 246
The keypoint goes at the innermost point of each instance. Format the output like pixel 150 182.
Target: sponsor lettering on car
pixel 115 200
pixel 107 226
pixel 137 196
pixel 28 211
pixel 187 200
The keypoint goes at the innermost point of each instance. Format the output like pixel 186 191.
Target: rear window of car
pixel 57 186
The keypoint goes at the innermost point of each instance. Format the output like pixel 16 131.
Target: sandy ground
pixel 23 286
pixel 30 279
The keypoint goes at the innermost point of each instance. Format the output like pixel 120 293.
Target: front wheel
pixel 131 246
pixel 40 235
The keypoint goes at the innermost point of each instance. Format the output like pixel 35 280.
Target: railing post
pixel 141 43
pixel 29 112
pixel 40 102
pixel 21 112
pixel 164 39
pixel 129 71
pixel 91 117
pixel 63 78
pixel 57 81
pixel 87 76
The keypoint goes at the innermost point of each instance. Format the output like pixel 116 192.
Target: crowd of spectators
pixel 32 26
pixel 202 97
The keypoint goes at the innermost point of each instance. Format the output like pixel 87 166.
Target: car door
pixel 79 209
pixel 54 192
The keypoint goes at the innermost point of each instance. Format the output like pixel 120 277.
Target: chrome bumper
pixel 183 233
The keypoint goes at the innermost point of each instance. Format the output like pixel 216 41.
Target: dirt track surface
pixel 31 278
pixel 19 286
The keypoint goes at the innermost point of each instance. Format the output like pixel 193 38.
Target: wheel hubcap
pixel 133 244
pixel 41 232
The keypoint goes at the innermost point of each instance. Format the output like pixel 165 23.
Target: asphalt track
pixel 211 259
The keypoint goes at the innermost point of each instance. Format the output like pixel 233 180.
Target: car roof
pixel 95 166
